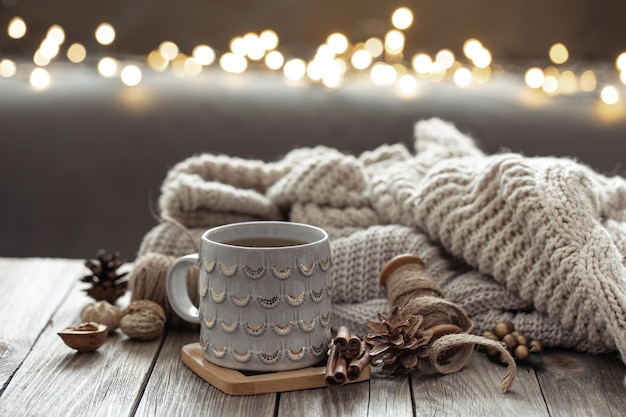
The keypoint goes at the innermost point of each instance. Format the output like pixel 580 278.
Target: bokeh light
pixel 620 62
pixel 169 50
pixel 534 77
pixel 558 53
pixel 394 42
pixel 76 53
pixel 568 83
pixel 445 57
pixel 56 34
pixel 233 63
pixel 295 69
pixel 375 47
pixel 105 34
pixel 471 47
pixel 383 74
pixel 108 67
pixel 482 58
pixel 437 72
pixel 192 67
pixel 407 84
pixel 269 39
pixel 550 84
pixel 588 81
pixel 361 59
pixel 7 68
pixel 253 47
pixel 157 61
pixel 204 54
pixel 338 42
pixel 131 75
pixel 16 28
pixel 274 60
pixel 610 94
pixel 421 63
pixel 39 79
pixel 40 59
pixel 462 77
pixel 402 18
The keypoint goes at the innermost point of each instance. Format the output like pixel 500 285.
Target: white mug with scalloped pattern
pixel 265 295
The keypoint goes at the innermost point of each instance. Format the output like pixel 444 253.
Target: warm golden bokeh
pixel 387 60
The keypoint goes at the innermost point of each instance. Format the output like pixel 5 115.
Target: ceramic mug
pixel 265 295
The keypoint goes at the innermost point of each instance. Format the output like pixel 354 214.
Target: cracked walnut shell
pixel 143 320
pixel 84 338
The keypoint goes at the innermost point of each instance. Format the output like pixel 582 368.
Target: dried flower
pixel 398 343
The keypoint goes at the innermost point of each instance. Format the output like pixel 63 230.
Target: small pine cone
pixel 106 283
pixel 398 344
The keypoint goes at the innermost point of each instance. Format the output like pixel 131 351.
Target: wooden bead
pixel 522 340
pixel 490 335
pixel 502 329
pixel 510 341
pixel 521 352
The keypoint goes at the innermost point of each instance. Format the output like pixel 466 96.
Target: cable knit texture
pixel 538 241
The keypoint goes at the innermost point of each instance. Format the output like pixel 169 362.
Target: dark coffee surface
pixel 264 242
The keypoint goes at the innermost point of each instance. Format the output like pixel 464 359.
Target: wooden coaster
pixel 234 382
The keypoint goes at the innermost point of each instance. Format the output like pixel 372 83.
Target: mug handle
pixel 177 288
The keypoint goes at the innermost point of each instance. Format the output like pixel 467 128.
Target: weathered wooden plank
pixel 30 291
pixel 390 396
pixel 348 400
pixel 54 380
pixel 473 392
pixel 387 397
pixel 576 384
pixel 187 394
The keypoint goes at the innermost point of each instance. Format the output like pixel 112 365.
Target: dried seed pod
pixel 535 346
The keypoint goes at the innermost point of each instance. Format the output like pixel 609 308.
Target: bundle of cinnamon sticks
pixel 347 358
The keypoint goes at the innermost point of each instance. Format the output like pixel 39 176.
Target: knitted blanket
pixel 538 241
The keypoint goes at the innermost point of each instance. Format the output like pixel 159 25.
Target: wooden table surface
pixel 41 376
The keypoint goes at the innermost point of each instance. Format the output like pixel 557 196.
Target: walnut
pixel 102 312
pixel 143 320
pixel 84 338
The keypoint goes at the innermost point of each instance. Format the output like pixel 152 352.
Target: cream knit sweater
pixel 539 241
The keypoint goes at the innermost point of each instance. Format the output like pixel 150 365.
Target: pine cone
pixel 398 343
pixel 106 283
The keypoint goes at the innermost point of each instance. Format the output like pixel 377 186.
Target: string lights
pixel 384 60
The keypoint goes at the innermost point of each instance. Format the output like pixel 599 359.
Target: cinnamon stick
pixel 354 346
pixel 348 343
pixel 336 368
pixel 356 365
pixel 342 337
